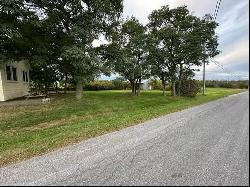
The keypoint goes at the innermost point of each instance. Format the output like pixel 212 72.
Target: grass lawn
pixel 26 131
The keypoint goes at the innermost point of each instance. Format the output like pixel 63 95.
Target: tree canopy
pixel 57 36
pixel 128 54
pixel 179 38
pixel 57 32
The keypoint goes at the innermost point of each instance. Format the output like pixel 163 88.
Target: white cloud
pixel 237 52
pixel 235 56
pixel 230 21
pixel 142 8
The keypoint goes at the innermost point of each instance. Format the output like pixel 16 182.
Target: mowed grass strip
pixel 33 130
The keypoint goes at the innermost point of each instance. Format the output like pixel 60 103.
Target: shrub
pixel 212 84
pixel 243 84
pixel 155 84
pixel 121 85
pixel 189 87
pixel 228 85
pixel 106 85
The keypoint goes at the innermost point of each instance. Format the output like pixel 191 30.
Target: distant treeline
pixel 156 84
pixel 107 85
pixel 241 84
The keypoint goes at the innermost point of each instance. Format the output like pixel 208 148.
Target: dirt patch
pixel 21 102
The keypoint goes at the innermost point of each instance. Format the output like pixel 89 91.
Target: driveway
pixel 203 145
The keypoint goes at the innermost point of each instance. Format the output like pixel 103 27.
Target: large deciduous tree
pixel 199 43
pixel 179 39
pixel 165 25
pixel 127 53
pixel 21 34
pixel 58 32
pixel 74 25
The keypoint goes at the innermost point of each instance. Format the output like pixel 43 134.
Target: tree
pixel 199 43
pixel 64 32
pixel 179 39
pixel 84 64
pixel 43 78
pixel 127 53
pixel 166 25
pixel 77 24
pixel 158 60
pixel 21 35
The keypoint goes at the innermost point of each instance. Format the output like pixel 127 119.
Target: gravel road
pixel 203 145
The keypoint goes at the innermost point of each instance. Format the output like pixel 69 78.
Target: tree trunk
pixel 56 87
pixel 39 88
pixel 163 81
pixel 180 79
pixel 135 85
pixel 173 92
pixel 139 88
pixel 46 89
pixel 132 86
pixel 65 84
pixel 79 90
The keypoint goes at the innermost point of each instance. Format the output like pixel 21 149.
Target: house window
pixel 8 72
pixel 25 76
pixel 11 73
pixel 14 74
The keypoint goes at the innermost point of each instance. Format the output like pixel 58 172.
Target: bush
pixel 121 85
pixel 189 88
pixel 229 85
pixel 155 84
pixel 106 85
pixel 243 84
pixel 212 84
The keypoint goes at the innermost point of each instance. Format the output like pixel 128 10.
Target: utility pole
pixel 204 80
pixel 204 62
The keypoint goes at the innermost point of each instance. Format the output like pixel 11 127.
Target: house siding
pixel 15 89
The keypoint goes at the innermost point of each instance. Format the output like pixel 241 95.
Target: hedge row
pixel 226 84
pixel 106 85
pixel 156 84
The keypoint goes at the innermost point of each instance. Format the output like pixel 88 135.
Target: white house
pixel 14 80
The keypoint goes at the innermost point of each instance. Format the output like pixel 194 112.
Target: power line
pixel 216 62
pixel 239 76
pixel 216 9
pixel 217 2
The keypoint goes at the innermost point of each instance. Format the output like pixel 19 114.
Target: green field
pixel 33 130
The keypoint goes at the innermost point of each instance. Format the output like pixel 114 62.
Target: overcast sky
pixel 233 31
